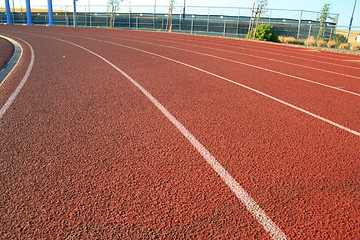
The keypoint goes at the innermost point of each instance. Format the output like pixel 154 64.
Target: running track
pixel 142 135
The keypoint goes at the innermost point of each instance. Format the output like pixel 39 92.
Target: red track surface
pixel 84 154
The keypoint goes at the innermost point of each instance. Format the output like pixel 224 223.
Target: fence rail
pixel 222 21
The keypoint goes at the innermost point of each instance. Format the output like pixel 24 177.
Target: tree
pixel 112 7
pixel 169 19
pixel 259 8
pixel 324 16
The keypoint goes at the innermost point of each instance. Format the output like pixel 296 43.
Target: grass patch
pixel 292 40
pixel 311 41
pixel 355 46
pixel 344 46
pixel 321 43
pixel 332 44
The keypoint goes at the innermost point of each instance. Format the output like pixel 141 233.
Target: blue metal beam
pixel 50 13
pixel 8 13
pixel 28 13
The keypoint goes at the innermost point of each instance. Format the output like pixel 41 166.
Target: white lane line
pixel 238 84
pixel 296 50
pixel 253 48
pixel 11 99
pixel 273 230
pixel 253 66
pixel 245 54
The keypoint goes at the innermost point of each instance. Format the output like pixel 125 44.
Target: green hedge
pixel 263 32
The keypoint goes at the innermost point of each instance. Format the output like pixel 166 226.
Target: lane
pixel 260 54
pixel 334 78
pixel 292 68
pixel 300 170
pixel 289 50
pixel 310 52
pixel 311 55
pixel 87 155
pixel 331 105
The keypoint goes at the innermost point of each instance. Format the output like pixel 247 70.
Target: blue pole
pixel 50 13
pixel 8 13
pixel 74 13
pixel 28 13
pixel 351 20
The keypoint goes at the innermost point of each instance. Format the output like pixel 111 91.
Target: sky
pixel 342 7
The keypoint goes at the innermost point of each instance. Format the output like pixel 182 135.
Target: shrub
pixel 311 41
pixel 339 38
pixel 263 33
pixel 289 39
pixel 292 40
pixel 282 39
pixel 344 46
pixel 321 43
pixel 332 44
pixel 355 46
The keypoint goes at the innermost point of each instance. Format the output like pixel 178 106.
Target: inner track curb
pixel 10 65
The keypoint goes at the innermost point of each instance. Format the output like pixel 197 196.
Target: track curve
pixel 86 155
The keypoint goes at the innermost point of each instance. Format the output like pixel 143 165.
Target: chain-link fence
pixel 223 21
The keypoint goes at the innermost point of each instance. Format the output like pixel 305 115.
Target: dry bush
pixel 311 41
pixel 321 43
pixel 292 40
pixel 282 39
pixel 332 44
pixel 344 46
pixel 289 39
pixel 355 46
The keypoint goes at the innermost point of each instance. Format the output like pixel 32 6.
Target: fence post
pixel 137 23
pixel 331 33
pixel 208 21
pixel 85 15
pixel 74 14
pixel 309 31
pixel 238 23
pixel 129 16
pixel 224 28
pixel 192 25
pixel 298 33
pixel 154 15
pixel 180 21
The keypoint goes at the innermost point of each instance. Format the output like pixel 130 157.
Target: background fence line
pixel 221 21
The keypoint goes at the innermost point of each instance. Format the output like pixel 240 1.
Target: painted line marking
pixel 231 60
pixel 273 230
pixel 13 62
pixel 352 60
pixel 254 48
pixel 11 99
pixel 253 66
pixel 238 84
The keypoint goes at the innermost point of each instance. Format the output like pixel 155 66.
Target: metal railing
pixel 221 21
